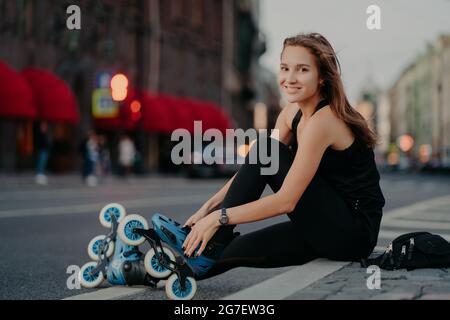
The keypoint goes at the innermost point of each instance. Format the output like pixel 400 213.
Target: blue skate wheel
pixel 88 280
pixel 126 226
pixel 95 245
pixel 173 288
pixel 113 208
pixel 152 265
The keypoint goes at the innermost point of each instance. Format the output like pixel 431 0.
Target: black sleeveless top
pixel 352 172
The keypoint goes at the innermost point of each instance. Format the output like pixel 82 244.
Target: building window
pixel 197 14
pixel 11 18
pixel 29 15
pixel 176 10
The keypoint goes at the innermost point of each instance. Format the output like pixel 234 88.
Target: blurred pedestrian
pixel 127 154
pixel 43 146
pixel 104 158
pixel 89 151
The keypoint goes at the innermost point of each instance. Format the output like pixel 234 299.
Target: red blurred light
pixel 135 106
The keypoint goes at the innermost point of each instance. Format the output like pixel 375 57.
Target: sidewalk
pixel 350 281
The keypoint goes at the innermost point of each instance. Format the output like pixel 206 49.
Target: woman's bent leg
pixel 279 245
pixel 249 183
pixel 329 224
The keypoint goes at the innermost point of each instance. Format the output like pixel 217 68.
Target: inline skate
pixel 166 259
pixel 113 260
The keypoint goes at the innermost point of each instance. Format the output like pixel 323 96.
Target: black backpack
pixel 413 251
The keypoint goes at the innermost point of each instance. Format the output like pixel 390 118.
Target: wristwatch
pixel 223 217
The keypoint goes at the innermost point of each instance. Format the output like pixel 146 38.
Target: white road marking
pixel 415 207
pixel 108 294
pixel 96 207
pixel 391 235
pixel 116 292
pixel 422 225
pixel 286 284
pixel 49 194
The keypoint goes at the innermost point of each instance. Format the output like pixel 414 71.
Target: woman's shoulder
pixel 288 113
pixel 343 136
pixel 325 116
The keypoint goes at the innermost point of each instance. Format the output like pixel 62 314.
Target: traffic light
pixel 119 87
pixel 135 110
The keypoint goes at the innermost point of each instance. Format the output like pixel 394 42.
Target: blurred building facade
pixel 203 49
pixel 367 103
pixel 374 106
pixel 420 107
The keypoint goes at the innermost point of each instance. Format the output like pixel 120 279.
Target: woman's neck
pixel 309 105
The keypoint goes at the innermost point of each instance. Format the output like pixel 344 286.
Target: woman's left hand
pixel 202 232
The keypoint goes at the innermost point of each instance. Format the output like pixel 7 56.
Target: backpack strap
pixel 402 256
pixel 411 248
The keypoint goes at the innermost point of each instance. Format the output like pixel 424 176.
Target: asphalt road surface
pixel 45 230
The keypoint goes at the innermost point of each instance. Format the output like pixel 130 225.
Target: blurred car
pixel 232 161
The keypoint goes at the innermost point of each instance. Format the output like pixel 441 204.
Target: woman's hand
pixel 201 232
pixel 200 214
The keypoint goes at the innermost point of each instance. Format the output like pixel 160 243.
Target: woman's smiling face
pixel 298 75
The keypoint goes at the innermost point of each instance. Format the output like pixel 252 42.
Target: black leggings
pixel 321 226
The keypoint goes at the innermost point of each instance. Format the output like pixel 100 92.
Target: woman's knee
pixel 270 154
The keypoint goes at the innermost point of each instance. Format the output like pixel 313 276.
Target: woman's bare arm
pixel 313 141
pixel 216 200
pixel 284 135
pixel 282 128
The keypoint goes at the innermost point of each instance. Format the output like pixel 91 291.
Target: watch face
pixel 224 219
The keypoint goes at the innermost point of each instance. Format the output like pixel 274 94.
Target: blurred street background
pixel 90 96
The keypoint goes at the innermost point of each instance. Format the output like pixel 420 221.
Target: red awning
pixel 179 112
pixel 16 97
pixel 198 113
pixel 153 114
pixel 157 117
pixel 54 98
pixel 108 123
pixel 220 119
pixel 164 113
pixel 211 115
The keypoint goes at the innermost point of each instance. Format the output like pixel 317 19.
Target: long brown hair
pixel 332 87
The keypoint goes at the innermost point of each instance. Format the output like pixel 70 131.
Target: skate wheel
pixel 114 208
pixel 87 280
pixel 94 248
pixel 173 288
pixel 152 265
pixel 126 226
